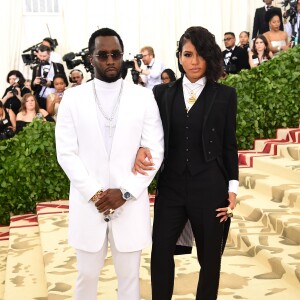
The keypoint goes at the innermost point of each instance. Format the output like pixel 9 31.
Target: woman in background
pixel 167 76
pixel 30 110
pixel 260 51
pixel 53 100
pixel 13 94
pixel 244 40
pixel 277 39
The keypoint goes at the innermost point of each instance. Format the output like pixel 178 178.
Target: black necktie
pixel 228 51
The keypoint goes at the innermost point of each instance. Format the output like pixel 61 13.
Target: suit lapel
pixel 168 100
pixel 211 92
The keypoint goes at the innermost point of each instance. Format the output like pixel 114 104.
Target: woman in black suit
pixel 198 179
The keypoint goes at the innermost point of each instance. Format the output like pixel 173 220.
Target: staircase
pixel 261 259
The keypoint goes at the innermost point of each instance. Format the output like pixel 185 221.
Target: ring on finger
pixel 111 211
pixel 229 212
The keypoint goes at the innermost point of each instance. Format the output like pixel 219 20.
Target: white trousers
pixel 89 265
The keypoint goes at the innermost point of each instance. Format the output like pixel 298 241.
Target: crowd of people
pixel 108 144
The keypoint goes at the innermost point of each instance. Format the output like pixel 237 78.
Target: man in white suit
pixel 100 127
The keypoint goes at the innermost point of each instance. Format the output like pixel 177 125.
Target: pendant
pixel 192 99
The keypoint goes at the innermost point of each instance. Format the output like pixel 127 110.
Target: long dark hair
pixel 266 53
pixel 206 46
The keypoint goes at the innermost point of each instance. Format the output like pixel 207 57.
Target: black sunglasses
pixel 104 55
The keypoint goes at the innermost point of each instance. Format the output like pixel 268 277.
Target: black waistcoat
pixel 185 141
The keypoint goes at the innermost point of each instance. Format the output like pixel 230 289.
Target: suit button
pixel 187 159
pixel 210 141
pixel 187 137
pixel 212 129
pixel 186 149
pixel 187 116
pixel 186 127
pixel 209 152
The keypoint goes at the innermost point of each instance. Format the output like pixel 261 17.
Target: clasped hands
pixel 143 162
pixel 109 200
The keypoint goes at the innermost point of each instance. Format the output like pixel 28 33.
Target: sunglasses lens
pixel 103 55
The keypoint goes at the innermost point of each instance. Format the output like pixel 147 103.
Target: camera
pixel 6 133
pixel 292 14
pixel 230 69
pixel 72 63
pixel 45 73
pixel 129 64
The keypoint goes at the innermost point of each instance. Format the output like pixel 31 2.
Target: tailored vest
pixel 185 151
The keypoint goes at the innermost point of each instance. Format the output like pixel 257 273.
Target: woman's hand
pixel 143 161
pixel 224 211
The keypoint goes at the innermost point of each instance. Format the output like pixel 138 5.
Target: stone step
pixel 25 274
pixel 280 166
pixel 260 225
pixel 4 241
pixel 277 189
pixel 59 258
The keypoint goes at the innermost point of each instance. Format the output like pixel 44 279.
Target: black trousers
pixel 182 197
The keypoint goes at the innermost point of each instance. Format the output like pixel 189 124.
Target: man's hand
pixel 109 199
pixel 143 161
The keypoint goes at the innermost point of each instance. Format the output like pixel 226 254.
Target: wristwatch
pixel 126 195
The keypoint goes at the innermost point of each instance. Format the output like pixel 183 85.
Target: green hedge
pixel 268 98
pixel 29 171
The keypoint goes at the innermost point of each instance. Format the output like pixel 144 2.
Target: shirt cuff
pixel 233 186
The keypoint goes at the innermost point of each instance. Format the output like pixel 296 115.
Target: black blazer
pixel 219 123
pixel 239 58
pixel 36 72
pixel 260 25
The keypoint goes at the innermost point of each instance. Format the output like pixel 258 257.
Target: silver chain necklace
pixel 113 114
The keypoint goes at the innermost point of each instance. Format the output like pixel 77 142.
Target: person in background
pixel 244 40
pixel 260 51
pixel 100 126
pixel 53 100
pixel 27 84
pixel 234 57
pixel 75 77
pixel 198 180
pixel 260 25
pixel 7 122
pixel 152 68
pixel 30 110
pixel 13 94
pixel 54 56
pixel 277 39
pixel 42 75
pixel 167 76
pixel 293 26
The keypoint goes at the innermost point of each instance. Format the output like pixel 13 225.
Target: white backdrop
pixel 158 23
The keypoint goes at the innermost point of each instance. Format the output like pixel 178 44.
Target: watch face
pixel 127 195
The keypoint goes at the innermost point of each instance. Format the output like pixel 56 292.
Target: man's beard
pixel 110 79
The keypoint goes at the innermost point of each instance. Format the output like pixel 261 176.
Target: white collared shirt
pixel 188 86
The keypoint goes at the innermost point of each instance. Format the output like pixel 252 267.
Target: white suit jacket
pixel 82 155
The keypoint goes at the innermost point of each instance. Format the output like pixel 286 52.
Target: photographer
pixel 13 94
pixel 153 68
pixel 7 122
pixel 42 75
pixel 293 26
